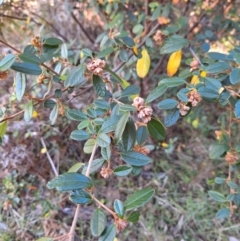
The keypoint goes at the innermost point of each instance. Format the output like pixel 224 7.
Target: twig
pixel 13 17
pixel 49 157
pixel 82 28
pixel 76 95
pixel 91 159
pixel 195 55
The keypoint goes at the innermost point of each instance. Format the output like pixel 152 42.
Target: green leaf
pixel 7 62
pixel 109 124
pixel 29 58
pixel 109 233
pixel 83 124
pixel 129 135
pixel 20 85
pixel 123 55
pixel 128 41
pixel 216 150
pixel 88 146
pixel 135 158
pixel 220 180
pixel 156 13
pixel 138 28
pixel 122 171
pixel 156 129
pixel 102 104
pixel 208 93
pixel 54 114
pixel 45 239
pixel 26 68
pixel 223 213
pixel 87 52
pixel 133 217
pixel 172 117
pixel 217 196
pixel 142 134
pixel 98 222
pixel 173 44
pixel 167 104
pixel 232 185
pixel 103 140
pixel 96 164
pixel 79 135
pixel 76 76
pixel 70 181
pixel 80 197
pixel 218 56
pixel 156 92
pixel 3 128
pixel 172 82
pixel 138 199
pixel 106 153
pixel 118 208
pixel 28 111
pixel 76 167
pixel 64 51
pixel 217 67
pixel 58 93
pixel 130 90
pixel 53 41
pixel 121 126
pixel 237 109
pixel 224 98
pixel 49 104
pixel 127 108
pixel 105 52
pixel 182 95
pixel 74 114
pixel 99 86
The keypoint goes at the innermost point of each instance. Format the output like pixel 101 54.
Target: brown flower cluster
pixel 41 78
pixel 158 37
pixel 106 172
pixel 194 65
pixel 36 42
pixel 96 66
pixel 141 149
pixel 121 224
pixel 144 112
pixel 231 158
pixel 3 75
pixel 194 97
pixel 183 109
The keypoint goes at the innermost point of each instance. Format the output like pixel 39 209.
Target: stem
pixel 103 206
pixel 74 223
pixel 91 159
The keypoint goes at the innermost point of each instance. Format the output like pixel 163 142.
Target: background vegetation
pixel 181 172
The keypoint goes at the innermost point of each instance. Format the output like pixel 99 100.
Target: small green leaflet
pixel 79 135
pixel 129 135
pixel 28 111
pixel 122 171
pixel 74 114
pixel 217 67
pixel 121 126
pixel 54 114
pixel 3 128
pixel 70 181
pixel 109 233
pixel 103 140
pixel 138 199
pixel 135 158
pixel 130 90
pixel 53 41
pixel 109 124
pixel 217 149
pixel 142 134
pixel 133 217
pixel 223 213
pixel 167 104
pixel 98 222
pixel 118 208
pixel 76 76
pixel 26 68
pixel 76 167
pixel 156 92
pixel 30 58
pixel 105 52
pixel 172 82
pixel 96 164
pixel 64 51
pixel 80 197
pixel 7 62
pixel 20 85
pixel 237 109
pixel 217 196
pixel 156 129
pixel 172 117
pixel 99 86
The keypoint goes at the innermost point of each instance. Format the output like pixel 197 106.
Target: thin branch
pixel 82 28
pixel 12 17
pixel 76 95
pixel 195 55
pixel 91 159
pixel 49 157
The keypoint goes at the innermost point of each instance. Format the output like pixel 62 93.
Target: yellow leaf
pixel 3 128
pixel 195 80
pixel 203 74
pixel 135 51
pixel 174 63
pixel 143 64
pixel 35 114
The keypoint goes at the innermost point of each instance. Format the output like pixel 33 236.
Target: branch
pixel 82 28
pixel 49 157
